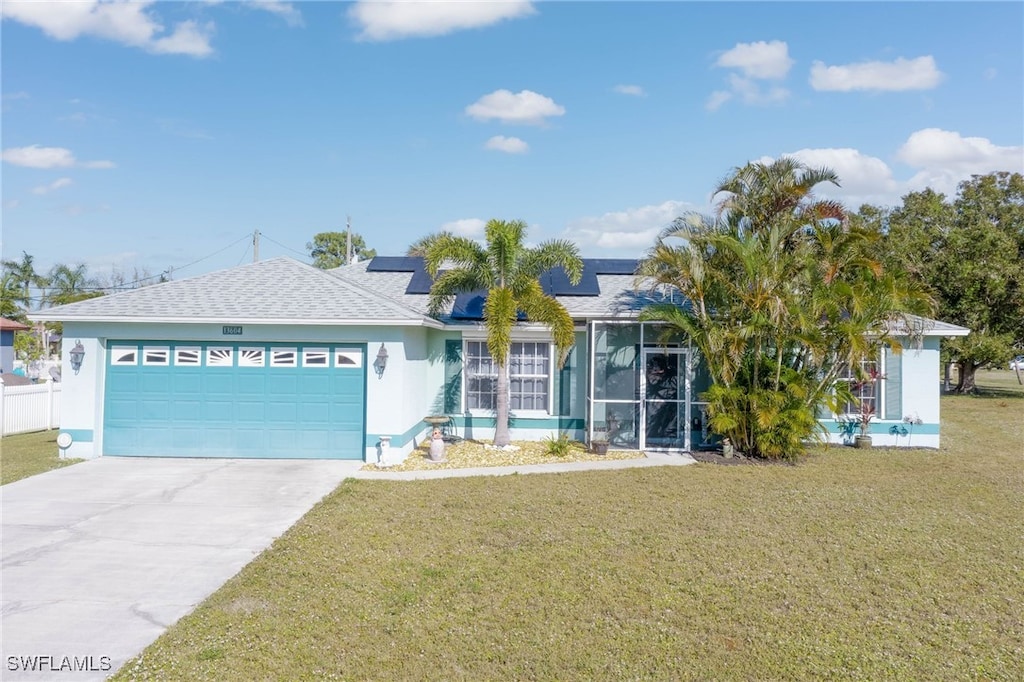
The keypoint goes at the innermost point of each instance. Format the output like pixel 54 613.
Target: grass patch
pixel 28 454
pixel 854 564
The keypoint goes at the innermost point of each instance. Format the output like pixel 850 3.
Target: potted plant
pixel 864 417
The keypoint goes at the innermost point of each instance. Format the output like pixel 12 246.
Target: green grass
pixel 28 454
pixel 854 564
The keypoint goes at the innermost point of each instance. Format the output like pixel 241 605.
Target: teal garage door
pixel 252 400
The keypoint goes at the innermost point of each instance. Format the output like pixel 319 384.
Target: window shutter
pixel 452 376
pixel 563 386
pixel 893 385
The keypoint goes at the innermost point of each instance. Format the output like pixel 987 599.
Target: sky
pixel 160 135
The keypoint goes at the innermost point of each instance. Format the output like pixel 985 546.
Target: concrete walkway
pixel 653 459
pixel 99 558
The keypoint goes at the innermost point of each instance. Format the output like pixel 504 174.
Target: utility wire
pixel 245 253
pixel 264 235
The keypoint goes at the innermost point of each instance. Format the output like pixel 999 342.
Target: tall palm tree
pixel 25 276
pixel 782 297
pixel 508 270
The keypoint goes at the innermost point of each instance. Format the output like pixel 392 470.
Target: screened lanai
pixel 644 389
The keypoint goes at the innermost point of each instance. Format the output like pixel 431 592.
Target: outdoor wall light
pixel 381 362
pixel 77 355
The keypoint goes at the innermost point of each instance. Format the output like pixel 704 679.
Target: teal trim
pixel 79 435
pixel 398 440
pixel 539 423
pixel 882 428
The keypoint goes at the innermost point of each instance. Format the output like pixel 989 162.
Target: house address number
pixel 229 330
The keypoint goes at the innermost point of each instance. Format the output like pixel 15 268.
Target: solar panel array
pixel 469 306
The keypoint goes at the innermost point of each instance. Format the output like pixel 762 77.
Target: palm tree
pixel 68 284
pixel 509 272
pixel 25 277
pixel 782 297
pixel 11 294
pixel 421 245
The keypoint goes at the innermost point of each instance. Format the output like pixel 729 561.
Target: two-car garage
pixel 250 400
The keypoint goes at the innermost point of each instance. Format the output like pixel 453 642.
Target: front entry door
pixel 664 387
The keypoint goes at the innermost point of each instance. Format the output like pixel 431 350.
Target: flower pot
pixel 862 441
pixel 599 447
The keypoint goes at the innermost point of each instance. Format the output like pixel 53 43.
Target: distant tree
pixel 328 249
pixel 970 253
pixel 121 280
pixel 70 284
pixel 509 271
pixel 25 278
pixel 11 294
pixel 423 244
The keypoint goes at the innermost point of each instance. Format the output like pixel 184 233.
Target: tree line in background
pixel 968 253
pixel 24 289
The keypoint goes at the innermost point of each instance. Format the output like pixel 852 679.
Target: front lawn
pixel 28 454
pixel 854 564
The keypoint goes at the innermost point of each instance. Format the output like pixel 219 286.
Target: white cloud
pixel 758 60
pixel 510 145
pixel 39 157
pixel 634 229
pixel 751 92
pixel 525 107
pixel 128 23
pixel 754 62
pixel 990 73
pixel 717 99
pixel 12 203
pixel 385 20
pixel 35 156
pixel 55 185
pixel 945 158
pixel 902 74
pixel 633 90
pixel 285 10
pixel 188 38
pixel 863 179
pixel 466 227
pixel 939 159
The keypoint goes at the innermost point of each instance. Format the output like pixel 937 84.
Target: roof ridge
pixel 361 289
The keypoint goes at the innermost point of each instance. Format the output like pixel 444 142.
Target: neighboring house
pixel 7 329
pixel 279 359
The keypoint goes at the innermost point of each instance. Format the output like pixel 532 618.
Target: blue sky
pixel 152 135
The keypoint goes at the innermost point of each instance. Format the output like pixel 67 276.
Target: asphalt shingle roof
pixel 617 297
pixel 278 290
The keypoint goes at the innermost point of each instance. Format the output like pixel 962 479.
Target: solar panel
pixel 469 306
pixel 612 266
pixel 556 283
pixel 395 264
pixel 420 282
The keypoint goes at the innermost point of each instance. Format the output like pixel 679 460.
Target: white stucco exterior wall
pixel 920 400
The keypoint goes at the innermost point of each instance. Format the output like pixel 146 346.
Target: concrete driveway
pixel 98 559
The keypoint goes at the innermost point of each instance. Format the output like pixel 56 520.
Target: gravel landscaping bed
pixel 471 453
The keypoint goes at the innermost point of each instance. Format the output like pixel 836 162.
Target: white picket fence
pixel 29 408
